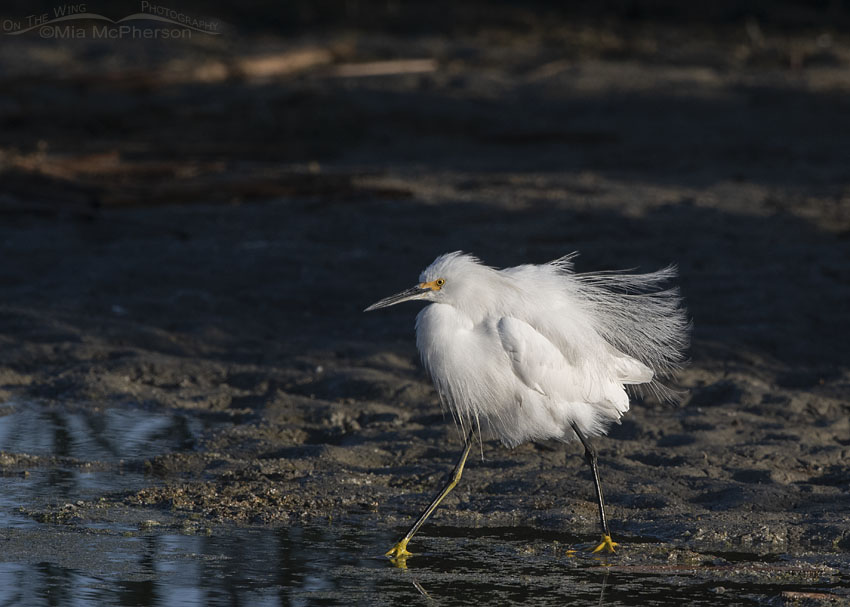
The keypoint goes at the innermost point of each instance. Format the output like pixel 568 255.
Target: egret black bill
pixel 417 292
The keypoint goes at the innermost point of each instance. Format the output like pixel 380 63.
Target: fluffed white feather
pixel 525 352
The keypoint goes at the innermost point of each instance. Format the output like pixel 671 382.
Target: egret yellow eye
pixel 441 282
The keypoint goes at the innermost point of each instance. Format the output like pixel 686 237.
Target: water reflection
pixel 302 566
pixel 107 435
pixel 243 567
pixel 116 439
pixel 111 564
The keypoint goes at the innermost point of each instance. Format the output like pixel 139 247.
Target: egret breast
pixel 474 377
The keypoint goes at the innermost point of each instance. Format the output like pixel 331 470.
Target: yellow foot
pixel 607 544
pixel 399 551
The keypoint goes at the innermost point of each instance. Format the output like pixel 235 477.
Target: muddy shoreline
pixel 199 248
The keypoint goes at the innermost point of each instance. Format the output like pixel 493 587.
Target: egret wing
pixel 544 368
pixel 582 347
pixel 630 370
pixel 533 358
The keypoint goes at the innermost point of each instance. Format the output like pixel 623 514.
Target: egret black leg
pixel 591 458
pixel 399 551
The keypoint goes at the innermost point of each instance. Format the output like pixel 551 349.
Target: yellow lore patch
pixel 434 285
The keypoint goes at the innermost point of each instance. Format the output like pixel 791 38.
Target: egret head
pixel 447 280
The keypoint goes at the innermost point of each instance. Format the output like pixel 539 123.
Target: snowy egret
pixel 539 352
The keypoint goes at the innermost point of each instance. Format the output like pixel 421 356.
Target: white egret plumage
pixel 539 352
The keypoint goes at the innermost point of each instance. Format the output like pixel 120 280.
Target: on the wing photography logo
pixel 153 21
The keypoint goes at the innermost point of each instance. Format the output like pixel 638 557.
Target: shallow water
pixel 136 562
pixel 96 452
pixel 334 566
pixel 103 435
